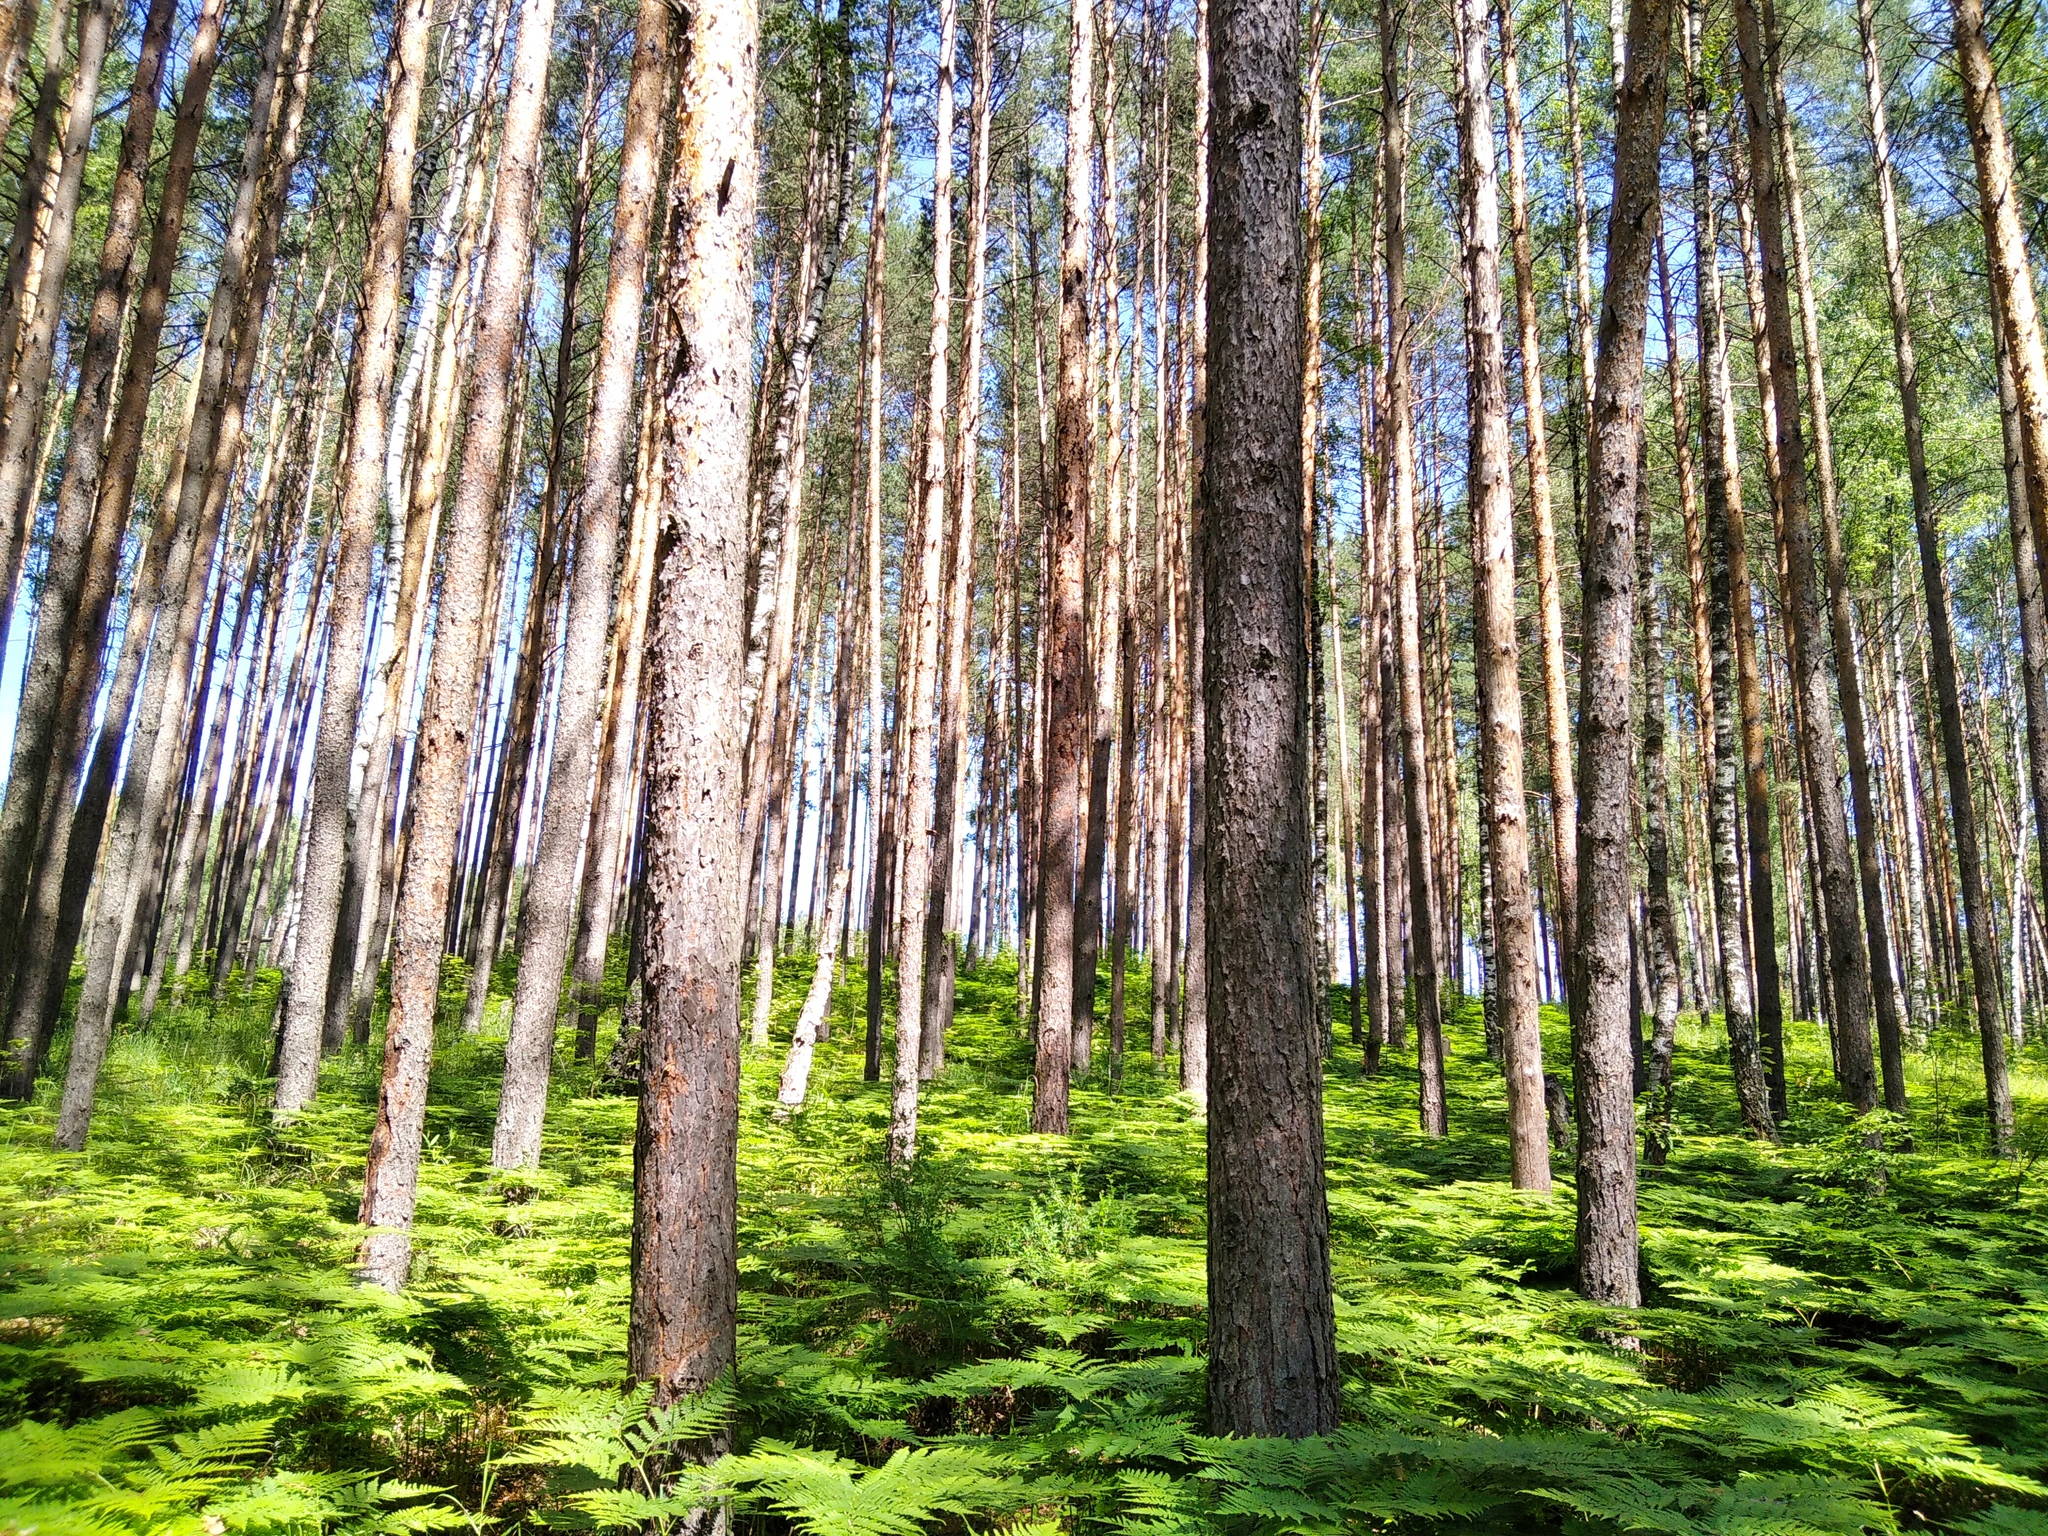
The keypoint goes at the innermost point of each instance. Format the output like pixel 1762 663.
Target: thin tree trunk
pixel 958 638
pixel 1542 526
pixel 1415 755
pixel 22 422
pixel 1977 916
pixel 1731 626
pixel 1194 1024
pixel 549 904
pixel 1848 669
pixel 356 506
pixel 918 638
pixel 127 874
pixel 82 544
pixel 1848 966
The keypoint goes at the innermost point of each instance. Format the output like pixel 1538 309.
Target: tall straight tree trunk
pixel 1977 915
pixel 1848 967
pixel 1496 651
pixel 958 617
pixel 1542 525
pixel 355 514
pixel 78 537
pixel 1848 667
pixel 1418 817
pixel 873 318
pixel 1272 1332
pixel 918 638
pixel 1601 1060
pixel 548 910
pixel 1731 622
pixel 1066 682
pixel 685 1296
pixel 1194 1024
pixel 419 924
pixel 1660 926
pixel 1102 597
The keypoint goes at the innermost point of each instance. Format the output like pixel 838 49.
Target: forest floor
pixel 1009 1338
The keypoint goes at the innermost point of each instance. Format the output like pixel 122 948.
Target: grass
pixel 1835 1338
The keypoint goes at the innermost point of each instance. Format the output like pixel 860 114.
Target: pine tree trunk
pixel 22 423
pixel 1194 1024
pixel 1496 650
pixel 1066 682
pixel 1977 915
pixel 419 923
pixel 957 642
pixel 918 638
pixel 549 905
pixel 1272 1334
pixel 1848 668
pixel 1417 790
pixel 1848 967
pixel 1601 1061
pixel 1542 525
pixel 355 514
pixel 685 1198
pixel 1730 625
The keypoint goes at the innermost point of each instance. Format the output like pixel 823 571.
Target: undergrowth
pixel 1010 1336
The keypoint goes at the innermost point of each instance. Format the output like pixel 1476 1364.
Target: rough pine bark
pixel 1272 1332
pixel 419 923
pixel 1602 1067
pixel 1496 650
pixel 685 1295
pixel 1068 705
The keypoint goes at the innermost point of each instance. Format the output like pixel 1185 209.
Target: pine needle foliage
pixel 1009 1336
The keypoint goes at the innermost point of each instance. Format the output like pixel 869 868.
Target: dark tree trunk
pixel 1272 1334
pixel 1068 705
